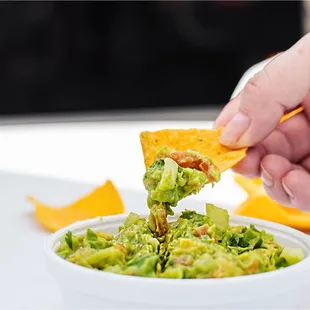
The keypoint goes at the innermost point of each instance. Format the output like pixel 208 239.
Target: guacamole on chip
pixel 192 246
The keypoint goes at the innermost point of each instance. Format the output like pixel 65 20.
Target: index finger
pixel 279 87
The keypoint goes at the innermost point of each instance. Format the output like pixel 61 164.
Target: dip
pixel 193 246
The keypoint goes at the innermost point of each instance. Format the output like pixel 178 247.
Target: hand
pixel 280 154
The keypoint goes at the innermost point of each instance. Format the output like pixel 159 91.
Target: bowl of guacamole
pixel 189 260
pixel 194 246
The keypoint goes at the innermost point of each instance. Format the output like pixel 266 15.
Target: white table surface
pixel 91 153
pixel 82 152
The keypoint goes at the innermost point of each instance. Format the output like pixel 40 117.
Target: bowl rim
pixel 109 276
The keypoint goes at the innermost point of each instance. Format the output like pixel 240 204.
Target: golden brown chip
pixel 260 205
pixel 291 114
pixel 204 141
pixel 104 200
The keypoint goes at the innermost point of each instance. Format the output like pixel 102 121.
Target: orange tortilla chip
pixel 260 205
pixel 104 200
pixel 204 141
pixel 289 115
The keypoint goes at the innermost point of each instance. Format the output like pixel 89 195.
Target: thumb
pixel 279 87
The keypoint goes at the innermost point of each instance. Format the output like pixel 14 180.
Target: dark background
pixel 98 56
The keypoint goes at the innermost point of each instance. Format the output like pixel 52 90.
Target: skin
pixel 279 154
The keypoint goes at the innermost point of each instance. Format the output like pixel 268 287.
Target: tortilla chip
pixel 264 208
pixel 204 141
pixel 289 115
pixel 260 205
pixel 104 200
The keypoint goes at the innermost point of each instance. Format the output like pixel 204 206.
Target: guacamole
pixel 195 246
pixel 192 246
pixel 172 177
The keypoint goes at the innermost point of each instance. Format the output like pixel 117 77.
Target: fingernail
pixel 287 190
pixel 235 128
pixel 266 177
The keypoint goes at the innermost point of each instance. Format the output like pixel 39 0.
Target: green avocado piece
pixel 168 183
pixel 292 255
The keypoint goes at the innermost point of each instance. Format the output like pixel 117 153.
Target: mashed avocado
pixel 175 175
pixel 168 183
pixel 172 177
pixel 193 246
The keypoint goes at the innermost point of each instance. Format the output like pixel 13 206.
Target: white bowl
pixel 81 287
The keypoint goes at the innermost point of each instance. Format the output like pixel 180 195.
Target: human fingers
pixel 273 170
pixel 232 106
pixel 290 140
pixel 279 87
pixel 228 112
pixel 286 183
